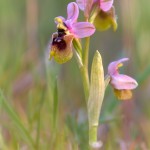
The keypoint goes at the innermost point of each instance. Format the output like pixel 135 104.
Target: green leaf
pixel 97 89
pixel 96 95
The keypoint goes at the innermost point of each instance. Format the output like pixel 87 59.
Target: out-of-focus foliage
pixel 28 80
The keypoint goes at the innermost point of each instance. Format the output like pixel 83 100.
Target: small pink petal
pixel 105 5
pixel 123 82
pixel 88 7
pixel 85 5
pixel 72 11
pixel 83 29
pixel 113 66
pixel 81 4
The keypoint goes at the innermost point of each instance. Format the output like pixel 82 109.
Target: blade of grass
pixel 42 100
pixel 2 143
pixel 55 104
pixel 14 117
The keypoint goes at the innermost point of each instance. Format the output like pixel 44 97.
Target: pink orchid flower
pixel 121 83
pixel 78 29
pixel 68 29
pixel 106 16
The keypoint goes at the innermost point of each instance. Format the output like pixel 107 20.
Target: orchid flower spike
pixel 67 30
pixel 121 83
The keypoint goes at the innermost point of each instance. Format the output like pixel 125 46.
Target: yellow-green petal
pixel 104 20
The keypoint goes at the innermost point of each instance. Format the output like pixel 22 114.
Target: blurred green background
pixel 29 93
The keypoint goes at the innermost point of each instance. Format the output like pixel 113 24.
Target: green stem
pixel 92 134
pixel 86 52
pixel 85 80
pixel 84 69
pixel 83 66
pixel 84 75
pixel 93 143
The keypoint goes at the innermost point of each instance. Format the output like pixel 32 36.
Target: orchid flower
pixel 121 83
pixel 67 30
pixel 105 17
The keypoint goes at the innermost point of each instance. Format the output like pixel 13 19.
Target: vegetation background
pixel 32 87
